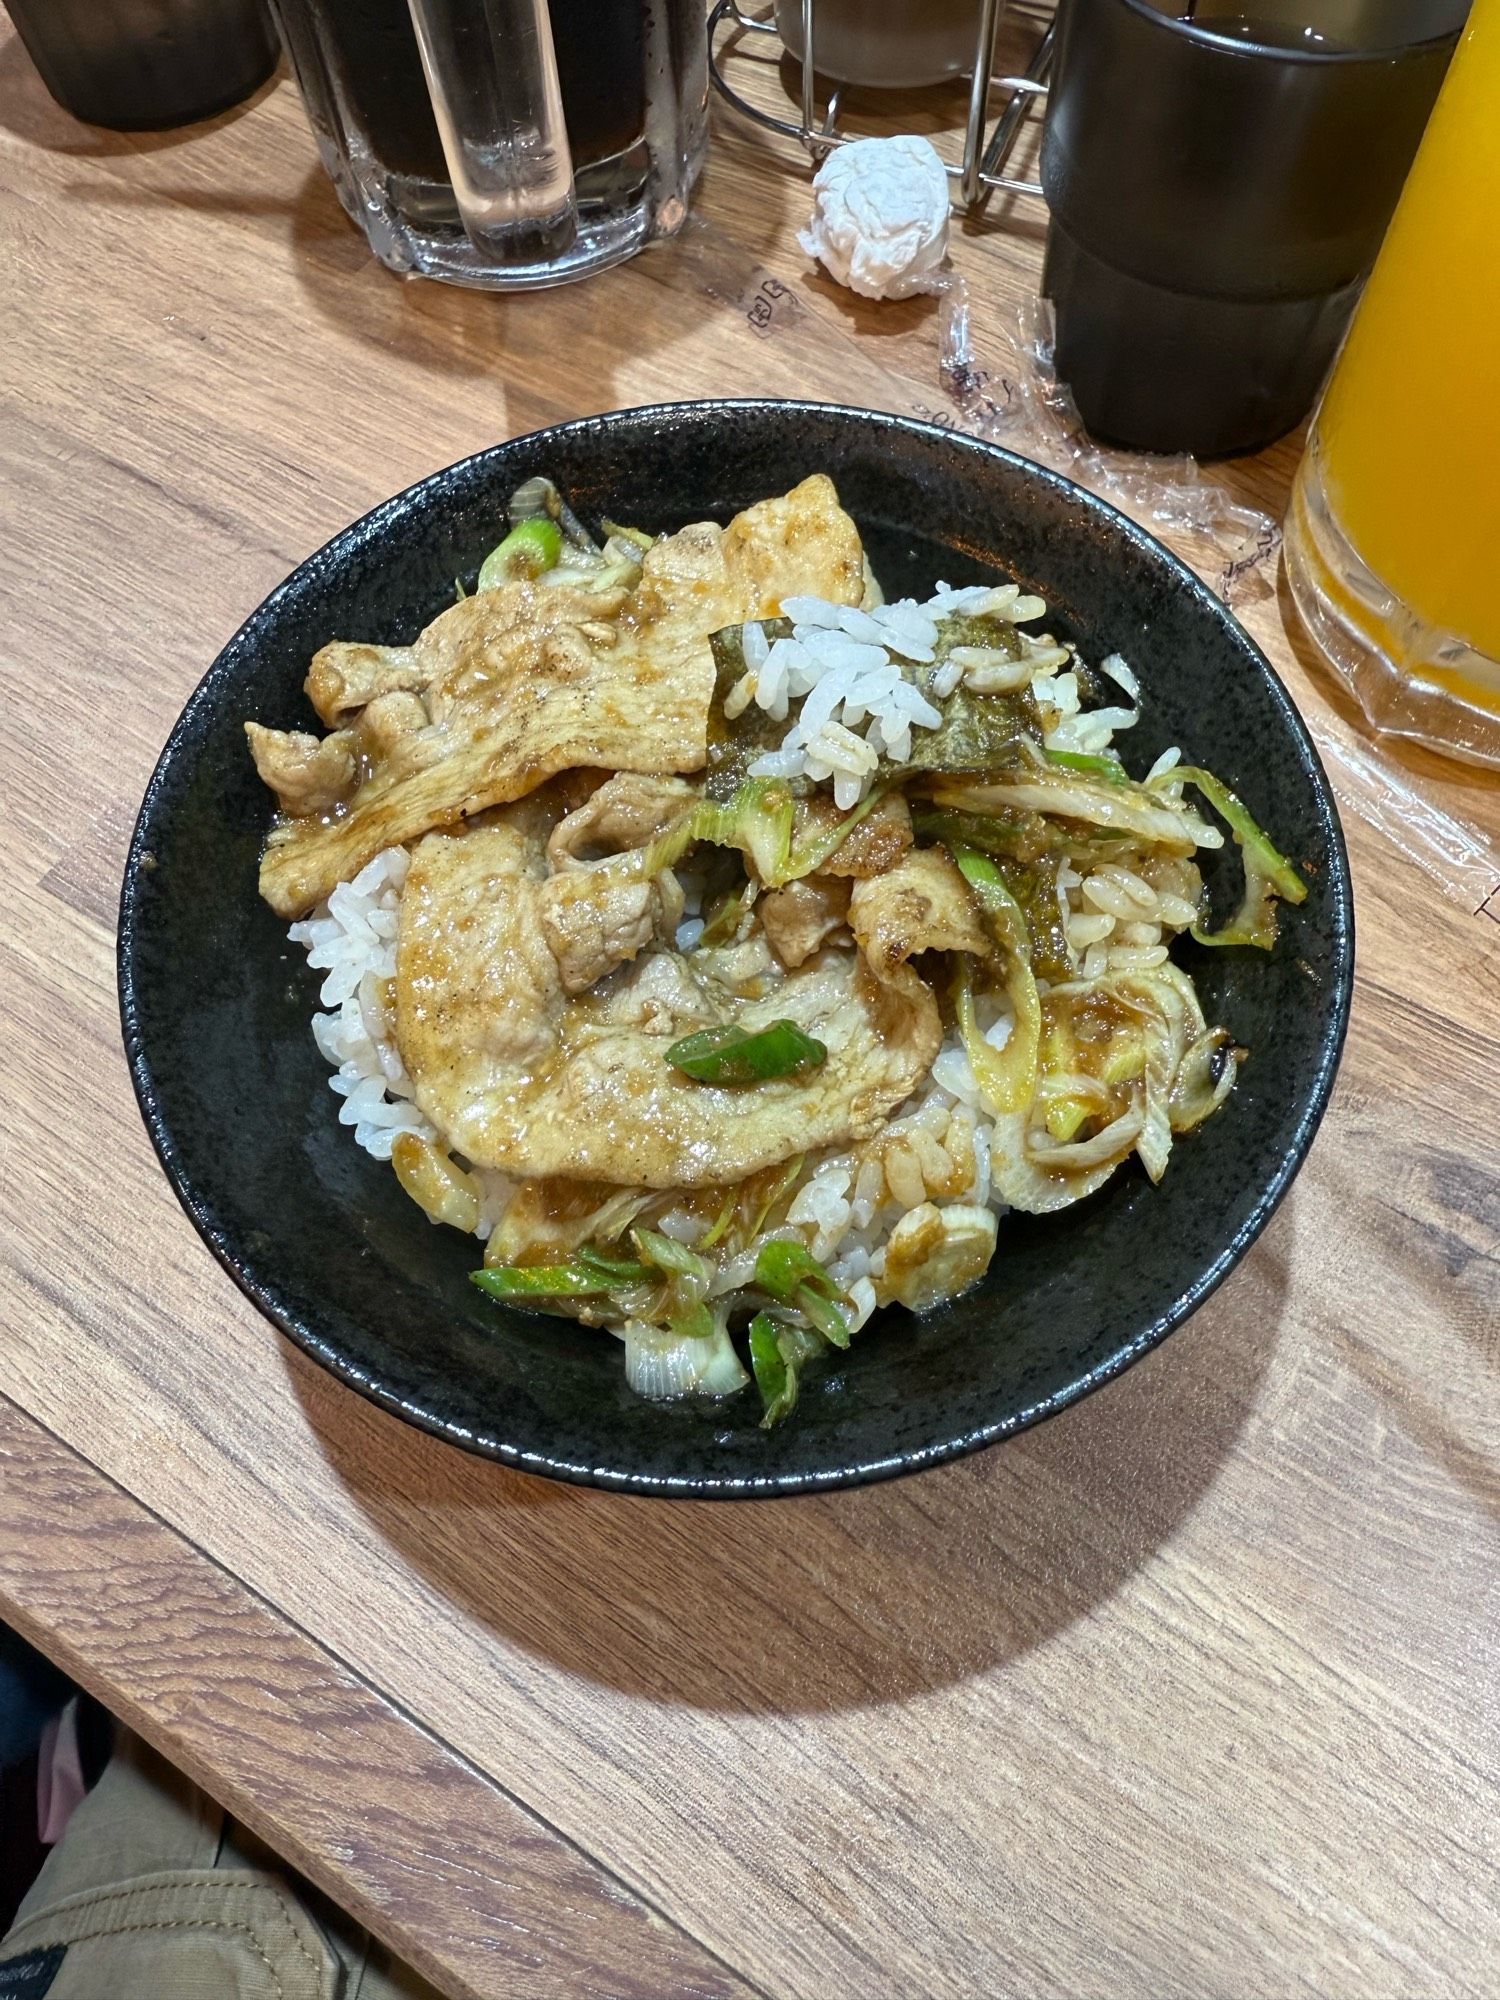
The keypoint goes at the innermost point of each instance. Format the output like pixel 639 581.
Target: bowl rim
pixel 264 1293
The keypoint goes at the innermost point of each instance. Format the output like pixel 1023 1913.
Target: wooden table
pixel 1189 1692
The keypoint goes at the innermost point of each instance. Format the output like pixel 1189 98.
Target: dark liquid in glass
pixel 1267 34
pixel 600 70
pixel 1291 30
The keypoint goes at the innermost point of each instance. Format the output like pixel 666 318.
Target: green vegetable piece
pixel 1268 873
pixel 694 1323
pixel 615 531
pixel 1008 831
pixel 672 1257
pixel 725 921
pixel 776 1381
pixel 722 1221
pixel 790 1274
pixel 781 1187
pixel 784 1264
pixel 824 1315
pixel 812 854
pixel 777 1354
pixel 1065 1114
pixel 1109 768
pixel 1034 886
pixel 619 1270
pixel 730 1055
pixel 582 1277
pixel 1007 1077
pixel 758 821
pixel 531 547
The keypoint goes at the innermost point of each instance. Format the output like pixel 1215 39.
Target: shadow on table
pixel 453 330
pixel 30 112
pixel 835 1600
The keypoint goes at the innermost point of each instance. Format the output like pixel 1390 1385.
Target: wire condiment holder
pixel 987 149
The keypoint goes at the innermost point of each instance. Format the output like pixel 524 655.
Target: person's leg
pixel 32 1692
pixel 155 1894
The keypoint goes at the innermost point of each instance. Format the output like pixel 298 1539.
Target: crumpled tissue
pixel 880 216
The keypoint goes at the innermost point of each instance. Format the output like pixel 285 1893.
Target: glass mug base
pixel 413 228
pixel 1410 677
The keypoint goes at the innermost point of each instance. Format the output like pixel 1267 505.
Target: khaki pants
pixel 154 1894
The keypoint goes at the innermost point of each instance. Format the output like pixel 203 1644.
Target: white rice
pixel 352 938
pixel 849 670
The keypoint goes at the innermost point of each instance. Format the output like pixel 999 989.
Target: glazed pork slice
pixel 520 1075
pixel 531 678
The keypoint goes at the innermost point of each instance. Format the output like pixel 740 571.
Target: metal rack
pixel 985 155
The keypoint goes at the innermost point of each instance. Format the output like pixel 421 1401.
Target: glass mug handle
pixel 492 76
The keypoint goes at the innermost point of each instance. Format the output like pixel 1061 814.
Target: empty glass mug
pixel 505 143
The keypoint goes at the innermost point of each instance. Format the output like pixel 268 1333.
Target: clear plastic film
pixel 1233 546
pixel 1461 860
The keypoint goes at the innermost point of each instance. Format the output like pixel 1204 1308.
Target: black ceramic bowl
pixel 216 1002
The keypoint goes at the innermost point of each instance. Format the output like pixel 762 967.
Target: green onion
pixel 1108 768
pixel 725 921
pixel 637 536
pixel 674 1258
pixel 777 1354
pixel 1268 873
pixel 790 1274
pixel 1065 1113
pixel 1010 831
pixel 694 1323
pixel 784 1264
pixel 586 1276
pixel 824 1315
pixel 757 820
pixel 722 1221
pixel 775 1380
pixel 785 1181
pixel 688 1278
pixel 730 1055
pixel 619 1270
pixel 1006 1077
pixel 818 848
pixel 530 547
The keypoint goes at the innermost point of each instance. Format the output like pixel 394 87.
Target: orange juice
pixel 1408 437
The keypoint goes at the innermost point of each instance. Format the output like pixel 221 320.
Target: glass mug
pixel 1393 539
pixel 505 143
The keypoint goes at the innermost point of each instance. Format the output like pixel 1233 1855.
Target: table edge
pixel 59 1511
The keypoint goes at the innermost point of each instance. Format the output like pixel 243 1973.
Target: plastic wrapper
pixel 1461 860
pixel 1232 545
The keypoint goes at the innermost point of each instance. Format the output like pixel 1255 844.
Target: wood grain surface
pixel 1191 1691
pixel 485 1890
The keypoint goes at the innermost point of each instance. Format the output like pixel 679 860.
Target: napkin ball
pixel 880 216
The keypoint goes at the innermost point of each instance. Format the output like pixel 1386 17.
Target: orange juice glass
pixel 1393 538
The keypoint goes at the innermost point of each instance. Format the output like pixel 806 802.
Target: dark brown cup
pixel 142 65
pixel 1217 203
